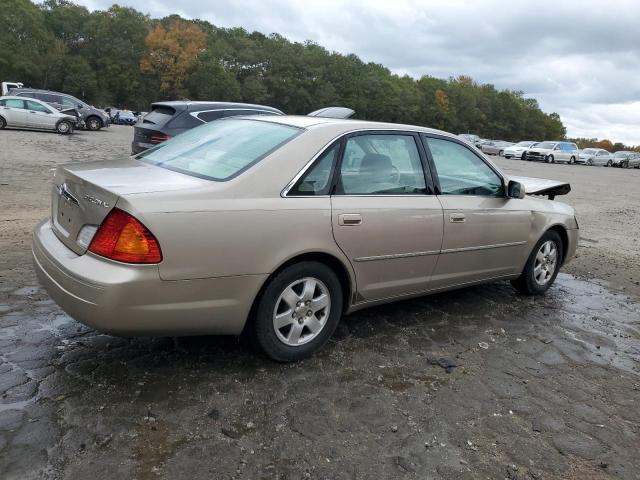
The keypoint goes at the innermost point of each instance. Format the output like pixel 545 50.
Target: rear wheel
pixel 609 163
pixel 542 266
pixel 524 156
pixel 625 164
pixel 3 123
pixel 501 153
pixel 297 312
pixel 64 127
pixel 572 160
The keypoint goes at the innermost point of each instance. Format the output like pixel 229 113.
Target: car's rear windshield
pixel 159 115
pixel 220 150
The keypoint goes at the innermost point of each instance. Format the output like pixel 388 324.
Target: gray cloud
pixel 578 58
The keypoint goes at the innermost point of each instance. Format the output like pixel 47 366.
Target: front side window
pixel 36 107
pixel 462 172
pixel 381 164
pixel 317 180
pixel 220 150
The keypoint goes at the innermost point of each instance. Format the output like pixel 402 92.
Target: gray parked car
pixel 625 159
pixel 21 112
pixel 93 118
pixel 495 147
pixel 595 156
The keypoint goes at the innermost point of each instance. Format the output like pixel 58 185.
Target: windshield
pixel 546 145
pixel 220 150
pixel 621 154
pixel 523 144
pixel 589 150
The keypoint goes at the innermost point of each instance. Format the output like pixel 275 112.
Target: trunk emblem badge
pixel 95 201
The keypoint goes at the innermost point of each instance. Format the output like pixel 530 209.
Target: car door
pixel 39 116
pixel 485 233
pixel 385 217
pixel 14 112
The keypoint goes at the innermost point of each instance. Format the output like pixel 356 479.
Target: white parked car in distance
pixel 595 156
pixel 553 152
pixel 518 150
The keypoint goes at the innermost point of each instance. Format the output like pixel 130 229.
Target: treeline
pixel 606 144
pixel 124 58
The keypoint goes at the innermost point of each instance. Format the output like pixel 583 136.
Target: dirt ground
pixel 478 383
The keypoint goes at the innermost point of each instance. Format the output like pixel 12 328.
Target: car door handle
pixel 457 218
pixel 349 219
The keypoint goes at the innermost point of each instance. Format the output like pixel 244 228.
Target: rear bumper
pixel 132 300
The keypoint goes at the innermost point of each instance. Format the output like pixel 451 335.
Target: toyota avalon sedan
pixel 276 226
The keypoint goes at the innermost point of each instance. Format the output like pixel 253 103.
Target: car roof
pixel 347 125
pixel 201 105
pixel 14 97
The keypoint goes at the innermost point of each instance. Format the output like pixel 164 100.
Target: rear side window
pixel 381 164
pixel 14 103
pixel 159 115
pixel 220 150
pixel 317 180
pixel 211 115
pixel 184 120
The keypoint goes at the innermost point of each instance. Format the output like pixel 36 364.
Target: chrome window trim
pixel 290 185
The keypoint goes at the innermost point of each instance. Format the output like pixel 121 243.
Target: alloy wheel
pixel 545 264
pixel 301 311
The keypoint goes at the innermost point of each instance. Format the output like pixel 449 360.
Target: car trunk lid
pixel 83 194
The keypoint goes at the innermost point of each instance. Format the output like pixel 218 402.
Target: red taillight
pixel 159 138
pixel 123 238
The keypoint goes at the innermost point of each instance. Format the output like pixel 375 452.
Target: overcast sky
pixel 579 58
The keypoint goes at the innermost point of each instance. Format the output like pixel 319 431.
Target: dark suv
pixel 92 118
pixel 168 119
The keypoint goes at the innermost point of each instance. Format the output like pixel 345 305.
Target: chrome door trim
pixel 396 255
pixel 482 247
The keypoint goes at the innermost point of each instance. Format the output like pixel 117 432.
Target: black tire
pixel 501 153
pixel 524 156
pixel 609 163
pixel 527 283
pixel 64 127
pixel 94 123
pixel 550 159
pixel 3 123
pixel 590 162
pixel 262 331
pixel 572 160
pixel 625 164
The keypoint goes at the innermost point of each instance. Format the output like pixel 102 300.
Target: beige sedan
pixel 276 227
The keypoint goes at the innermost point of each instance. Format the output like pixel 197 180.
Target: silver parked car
pixel 20 112
pixel 595 156
pixel 277 226
pixel 625 159
pixel 553 152
pixel 495 147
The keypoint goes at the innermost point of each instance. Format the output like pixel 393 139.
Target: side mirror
pixel 80 105
pixel 515 189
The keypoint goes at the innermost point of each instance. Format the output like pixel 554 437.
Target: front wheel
pixel 609 163
pixel 64 127
pixel 501 153
pixel 625 164
pixel 542 266
pixel 550 159
pixel 3 123
pixel 572 160
pixel 94 123
pixel 297 312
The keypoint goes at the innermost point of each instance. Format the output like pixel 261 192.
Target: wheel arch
pixel 561 230
pixel 344 274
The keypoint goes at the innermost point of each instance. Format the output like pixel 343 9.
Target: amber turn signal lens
pixel 123 238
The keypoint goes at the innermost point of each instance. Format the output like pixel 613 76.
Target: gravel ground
pixel 478 383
